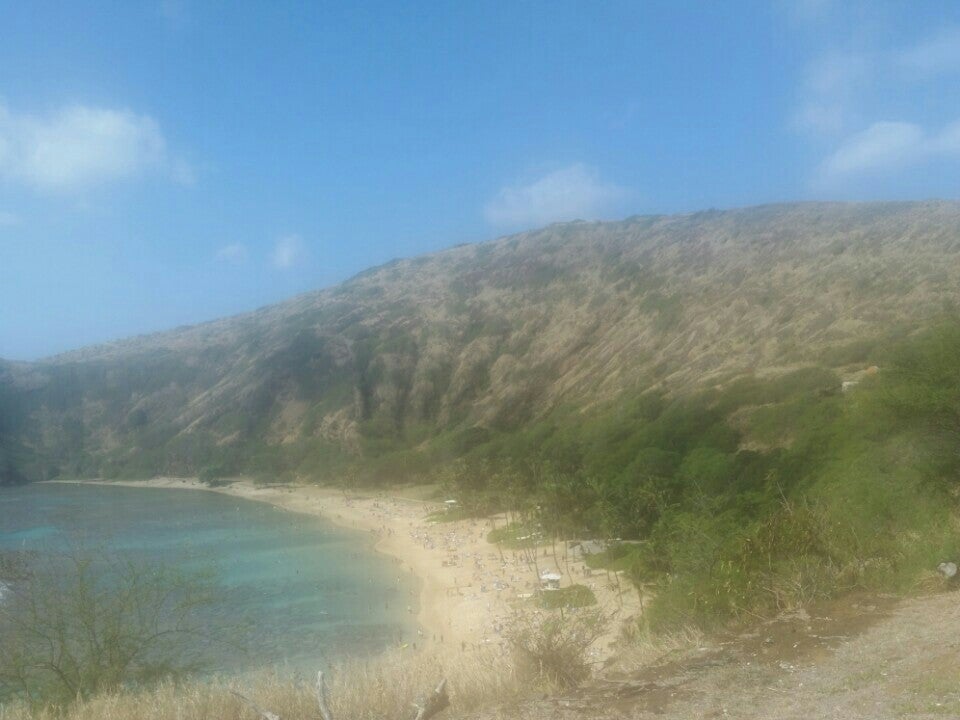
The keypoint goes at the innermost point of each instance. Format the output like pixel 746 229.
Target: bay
pixel 306 591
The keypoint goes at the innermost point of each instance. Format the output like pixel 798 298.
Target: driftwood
pixel 433 704
pixel 322 698
pixel 426 709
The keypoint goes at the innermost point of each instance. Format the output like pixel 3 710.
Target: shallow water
pixel 308 592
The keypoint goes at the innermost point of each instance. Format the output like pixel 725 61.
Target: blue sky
pixel 169 162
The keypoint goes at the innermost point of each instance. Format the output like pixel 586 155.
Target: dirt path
pixel 859 659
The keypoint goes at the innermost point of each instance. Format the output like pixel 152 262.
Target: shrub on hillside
pixel 554 650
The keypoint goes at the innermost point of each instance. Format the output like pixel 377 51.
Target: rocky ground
pixel 858 659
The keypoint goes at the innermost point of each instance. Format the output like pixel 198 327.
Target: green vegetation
pixel 11 464
pixel 755 494
pixel 79 624
pixel 572 596
pixel 516 535
pixel 214 475
pixel 382 380
pixel 840 491
pixel 445 516
pixel 674 382
pixel 620 556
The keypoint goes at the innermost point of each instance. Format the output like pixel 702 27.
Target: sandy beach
pixel 470 589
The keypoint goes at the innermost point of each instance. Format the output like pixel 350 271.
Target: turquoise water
pixel 307 591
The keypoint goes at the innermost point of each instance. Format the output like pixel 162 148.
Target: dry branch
pixel 435 703
pixel 426 709
pixel 322 698
pixel 265 715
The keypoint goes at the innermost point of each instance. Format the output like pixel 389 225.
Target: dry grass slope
pixel 494 335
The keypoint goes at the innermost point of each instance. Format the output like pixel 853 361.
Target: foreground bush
pixel 554 650
pixel 374 689
pixel 80 623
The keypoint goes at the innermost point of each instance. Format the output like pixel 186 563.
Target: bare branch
pixel 435 703
pixel 265 715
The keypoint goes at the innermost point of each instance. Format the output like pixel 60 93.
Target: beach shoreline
pixel 470 590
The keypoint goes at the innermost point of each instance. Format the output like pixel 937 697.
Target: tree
pixel 10 473
pixel 79 623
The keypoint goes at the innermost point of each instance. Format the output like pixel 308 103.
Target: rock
pixel 947 569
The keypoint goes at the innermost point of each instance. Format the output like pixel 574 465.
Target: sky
pixel 168 162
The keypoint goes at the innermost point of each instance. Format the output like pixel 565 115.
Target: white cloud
pixel 234 253
pixel 8 219
pixel 287 251
pixel 935 55
pixel 881 144
pixel 838 72
pixel 830 88
pixel 574 192
pixel 80 146
pixel 845 90
pixel 821 118
pixel 948 141
pixel 889 145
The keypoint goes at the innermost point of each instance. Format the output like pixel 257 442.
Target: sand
pixel 471 590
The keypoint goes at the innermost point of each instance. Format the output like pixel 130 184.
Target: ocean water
pixel 305 591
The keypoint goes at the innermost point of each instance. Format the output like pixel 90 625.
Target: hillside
pixel 487 338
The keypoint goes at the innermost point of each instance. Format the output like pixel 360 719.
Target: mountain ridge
pixel 84 351
pixel 493 335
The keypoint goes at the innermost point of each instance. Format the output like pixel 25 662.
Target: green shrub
pixel 79 624
pixel 573 596
pixel 213 475
pixel 516 535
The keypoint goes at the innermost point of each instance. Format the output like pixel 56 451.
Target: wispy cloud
pixel 234 253
pixel 81 146
pixel 883 144
pixel 8 219
pixel 287 251
pixel 890 145
pixel 831 87
pixel 935 55
pixel 573 192
pixel 821 118
pixel 852 105
pixel 838 72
